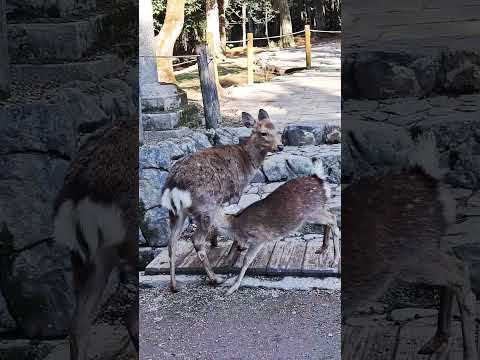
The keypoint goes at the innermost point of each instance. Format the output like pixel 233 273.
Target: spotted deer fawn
pixel 292 205
pixel 95 217
pixel 201 183
pixel 393 224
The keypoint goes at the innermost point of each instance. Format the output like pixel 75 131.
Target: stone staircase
pixel 62 43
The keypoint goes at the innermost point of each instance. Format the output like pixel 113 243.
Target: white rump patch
pixel 425 155
pixel 318 169
pixel 176 199
pixel 93 219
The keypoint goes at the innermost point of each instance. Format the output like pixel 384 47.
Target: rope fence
pixel 285 35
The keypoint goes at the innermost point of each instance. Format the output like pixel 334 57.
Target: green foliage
pixel 194 26
pixel 256 11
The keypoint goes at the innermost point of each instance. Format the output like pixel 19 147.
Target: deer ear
pixel 248 120
pixel 263 115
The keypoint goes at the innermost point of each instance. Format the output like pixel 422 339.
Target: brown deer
pixel 393 225
pixel 96 218
pixel 201 183
pixel 292 205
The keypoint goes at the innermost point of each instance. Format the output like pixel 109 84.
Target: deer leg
pixel 132 325
pixel 235 251
pixel 325 217
pixel 326 239
pixel 443 325
pixel 249 257
pixel 199 237
pixel 88 301
pixel 438 269
pixel 176 226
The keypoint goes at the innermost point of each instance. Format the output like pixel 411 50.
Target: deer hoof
pixel 173 288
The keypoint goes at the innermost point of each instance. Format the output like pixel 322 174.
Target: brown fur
pixel 213 177
pixel 105 170
pixel 284 211
pixel 392 229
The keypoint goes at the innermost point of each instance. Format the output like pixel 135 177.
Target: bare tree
pixel 223 4
pixel 165 41
pixel 285 23
pixel 213 25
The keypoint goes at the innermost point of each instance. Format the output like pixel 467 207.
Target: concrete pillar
pixel 4 59
pixel 148 67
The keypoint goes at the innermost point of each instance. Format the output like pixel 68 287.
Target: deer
pixel 201 183
pixel 285 210
pixel 393 224
pixel 95 217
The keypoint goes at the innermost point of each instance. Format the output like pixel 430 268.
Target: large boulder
pixel 151 184
pixel 156 227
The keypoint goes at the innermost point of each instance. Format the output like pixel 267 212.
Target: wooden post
pixel 4 59
pixel 211 53
pixel 308 46
pixel 211 105
pixel 250 78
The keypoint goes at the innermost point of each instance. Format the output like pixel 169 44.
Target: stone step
pixel 158 97
pixel 90 70
pixel 54 42
pixel 161 121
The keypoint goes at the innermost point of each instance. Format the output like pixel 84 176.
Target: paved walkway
pixel 303 97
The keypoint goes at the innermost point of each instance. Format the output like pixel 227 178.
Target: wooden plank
pixel 316 264
pixel 191 264
pixel 281 255
pixel 217 254
pixel 295 262
pixel 161 263
pixel 221 264
pixel 259 264
pixel 275 257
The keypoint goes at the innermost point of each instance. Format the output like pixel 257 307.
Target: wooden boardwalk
pixel 289 257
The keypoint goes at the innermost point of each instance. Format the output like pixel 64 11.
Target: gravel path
pixel 199 323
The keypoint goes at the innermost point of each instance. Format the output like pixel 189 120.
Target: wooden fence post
pixel 211 105
pixel 211 53
pixel 250 55
pixel 308 47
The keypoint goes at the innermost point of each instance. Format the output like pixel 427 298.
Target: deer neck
pixel 255 153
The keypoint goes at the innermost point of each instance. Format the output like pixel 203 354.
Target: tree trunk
pixel 165 41
pixel 213 25
pixel 285 23
pixel 244 25
pixel 223 4
pixel 4 59
pixel 320 14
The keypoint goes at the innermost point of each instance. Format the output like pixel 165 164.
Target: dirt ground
pixel 199 323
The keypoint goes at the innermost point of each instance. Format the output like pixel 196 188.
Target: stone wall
pixel 163 148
